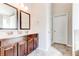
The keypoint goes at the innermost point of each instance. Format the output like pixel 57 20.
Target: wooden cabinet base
pixel 32 42
pixel 8 51
pixel 22 48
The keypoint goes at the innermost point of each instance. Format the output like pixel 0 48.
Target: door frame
pixel 61 14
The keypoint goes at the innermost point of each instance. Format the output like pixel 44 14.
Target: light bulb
pixel 22 5
pixel 26 8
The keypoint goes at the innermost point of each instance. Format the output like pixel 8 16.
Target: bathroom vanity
pixel 19 43
pixel 18 46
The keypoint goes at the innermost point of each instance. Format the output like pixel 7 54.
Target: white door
pixel 60 28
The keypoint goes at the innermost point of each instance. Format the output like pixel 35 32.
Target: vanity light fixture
pixel 23 6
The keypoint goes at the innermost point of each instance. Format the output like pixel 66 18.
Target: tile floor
pixel 51 52
pixel 65 50
pixel 77 53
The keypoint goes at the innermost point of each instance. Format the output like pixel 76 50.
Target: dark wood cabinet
pixel 32 42
pixel 9 50
pixel 0 48
pixel 35 41
pixel 22 48
pixel 29 44
pixel 0 51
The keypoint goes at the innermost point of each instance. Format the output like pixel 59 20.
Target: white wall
pixel 1 21
pixel 76 25
pixel 39 23
pixel 76 16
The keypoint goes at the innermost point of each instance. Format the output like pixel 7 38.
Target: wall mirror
pixel 8 17
pixel 24 20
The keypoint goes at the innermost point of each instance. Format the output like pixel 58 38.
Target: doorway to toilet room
pixel 62 28
pixel 60 23
pixel 60 34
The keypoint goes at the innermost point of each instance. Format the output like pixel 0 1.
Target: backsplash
pixel 13 32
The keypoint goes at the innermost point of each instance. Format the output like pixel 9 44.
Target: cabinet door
pixel 26 49
pixel 35 42
pixel 9 51
pixel 22 48
pixel 30 45
pixel 0 48
pixel 0 43
pixel 35 39
pixel 0 51
pixel 32 42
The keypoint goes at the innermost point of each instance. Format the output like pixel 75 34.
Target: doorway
pixel 60 34
pixel 60 28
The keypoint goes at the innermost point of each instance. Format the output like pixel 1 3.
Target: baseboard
pixel 58 43
pixel 64 44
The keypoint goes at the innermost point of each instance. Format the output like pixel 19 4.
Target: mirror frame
pixel 16 18
pixel 21 11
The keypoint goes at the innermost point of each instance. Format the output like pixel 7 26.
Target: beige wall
pixel 61 8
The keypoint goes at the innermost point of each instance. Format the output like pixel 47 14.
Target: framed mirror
pixel 24 20
pixel 8 17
